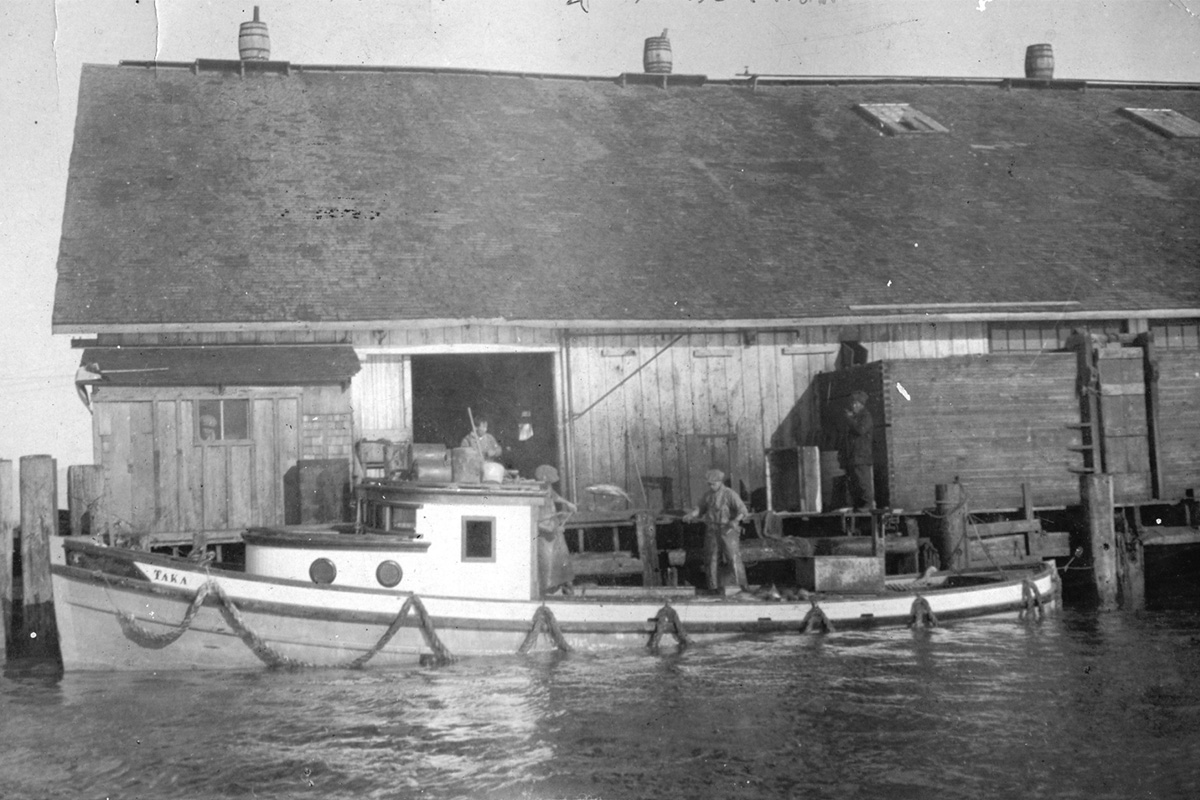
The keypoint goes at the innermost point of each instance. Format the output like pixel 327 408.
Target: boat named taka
pixel 441 571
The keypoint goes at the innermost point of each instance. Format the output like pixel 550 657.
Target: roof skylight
pixel 897 118
pixel 1166 121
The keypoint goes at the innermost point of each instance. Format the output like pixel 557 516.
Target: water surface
pixel 1080 705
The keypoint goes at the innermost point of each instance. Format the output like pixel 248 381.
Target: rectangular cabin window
pixel 479 539
pixel 899 118
pixel 222 420
pixel 1165 121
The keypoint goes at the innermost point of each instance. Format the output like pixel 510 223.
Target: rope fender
pixel 267 654
pixel 921 615
pixel 1031 599
pixel 667 620
pixel 815 621
pixel 544 622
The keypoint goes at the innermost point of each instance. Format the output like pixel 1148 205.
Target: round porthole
pixel 388 573
pixel 322 571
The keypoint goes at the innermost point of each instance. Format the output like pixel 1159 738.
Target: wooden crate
pixel 840 573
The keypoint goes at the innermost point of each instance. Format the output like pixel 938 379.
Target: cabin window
pixel 222 420
pixel 1176 334
pixel 899 118
pixel 479 539
pixel 1165 121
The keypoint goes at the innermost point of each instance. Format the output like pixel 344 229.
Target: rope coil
pixel 815 621
pixel 921 615
pixel 544 622
pixel 267 654
pixel 667 621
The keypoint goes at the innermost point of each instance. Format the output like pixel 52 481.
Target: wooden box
pixel 840 573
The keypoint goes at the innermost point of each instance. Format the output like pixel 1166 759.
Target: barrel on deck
pixel 466 465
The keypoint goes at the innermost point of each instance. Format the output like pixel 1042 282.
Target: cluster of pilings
pixel 29 517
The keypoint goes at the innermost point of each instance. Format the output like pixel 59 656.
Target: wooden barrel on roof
pixel 253 42
pixel 1039 62
pixel 656 57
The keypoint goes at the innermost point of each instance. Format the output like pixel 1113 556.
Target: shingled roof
pixel 325 195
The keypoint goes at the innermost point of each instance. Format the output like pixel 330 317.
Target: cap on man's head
pixel 546 474
pixel 714 476
pixel 859 396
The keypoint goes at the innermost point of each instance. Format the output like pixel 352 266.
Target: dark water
pixel 1080 705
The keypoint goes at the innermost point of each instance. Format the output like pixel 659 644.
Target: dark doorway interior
pixel 498 386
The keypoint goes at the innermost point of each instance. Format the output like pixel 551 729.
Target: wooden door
pixel 1124 426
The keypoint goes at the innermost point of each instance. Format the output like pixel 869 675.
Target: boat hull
pixel 117 609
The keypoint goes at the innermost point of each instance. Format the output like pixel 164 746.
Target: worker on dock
pixel 554 559
pixel 858 453
pixel 484 441
pixel 722 511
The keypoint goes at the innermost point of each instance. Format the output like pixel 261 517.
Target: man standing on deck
pixel 555 572
pixel 722 511
pixel 858 453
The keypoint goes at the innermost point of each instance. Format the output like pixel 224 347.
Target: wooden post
pixel 810 479
pixel 950 536
pixel 1096 492
pixel 8 524
pixel 1131 564
pixel 39 521
pixel 647 539
pixel 85 494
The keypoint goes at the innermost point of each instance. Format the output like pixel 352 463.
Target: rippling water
pixel 1080 705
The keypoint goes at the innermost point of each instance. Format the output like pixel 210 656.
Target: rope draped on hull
pixel 142 637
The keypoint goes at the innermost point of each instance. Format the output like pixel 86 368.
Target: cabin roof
pixel 211 194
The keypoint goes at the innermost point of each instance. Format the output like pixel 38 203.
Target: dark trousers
pixel 861 481
pixel 723 540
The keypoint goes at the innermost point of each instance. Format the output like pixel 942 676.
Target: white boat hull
pixel 282 622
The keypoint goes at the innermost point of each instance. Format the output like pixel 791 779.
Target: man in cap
pixel 858 452
pixel 483 441
pixel 722 511
pixel 554 559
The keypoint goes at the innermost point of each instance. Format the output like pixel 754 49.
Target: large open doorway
pixel 500 387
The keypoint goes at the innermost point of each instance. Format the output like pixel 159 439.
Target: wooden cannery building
pixel 267 262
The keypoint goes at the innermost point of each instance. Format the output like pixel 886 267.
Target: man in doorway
pixel 722 511
pixel 480 438
pixel 858 453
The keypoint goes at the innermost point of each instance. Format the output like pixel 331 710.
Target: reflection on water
pixel 1077 706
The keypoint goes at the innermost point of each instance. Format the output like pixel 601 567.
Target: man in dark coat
pixel 858 452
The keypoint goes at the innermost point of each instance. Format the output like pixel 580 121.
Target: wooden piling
pixel 647 539
pixel 85 496
pixel 1096 493
pixel 8 524
pixel 950 535
pixel 39 521
pixel 1131 564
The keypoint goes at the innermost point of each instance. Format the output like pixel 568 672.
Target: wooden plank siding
pixel 992 422
pixel 1179 421
pixel 163 481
